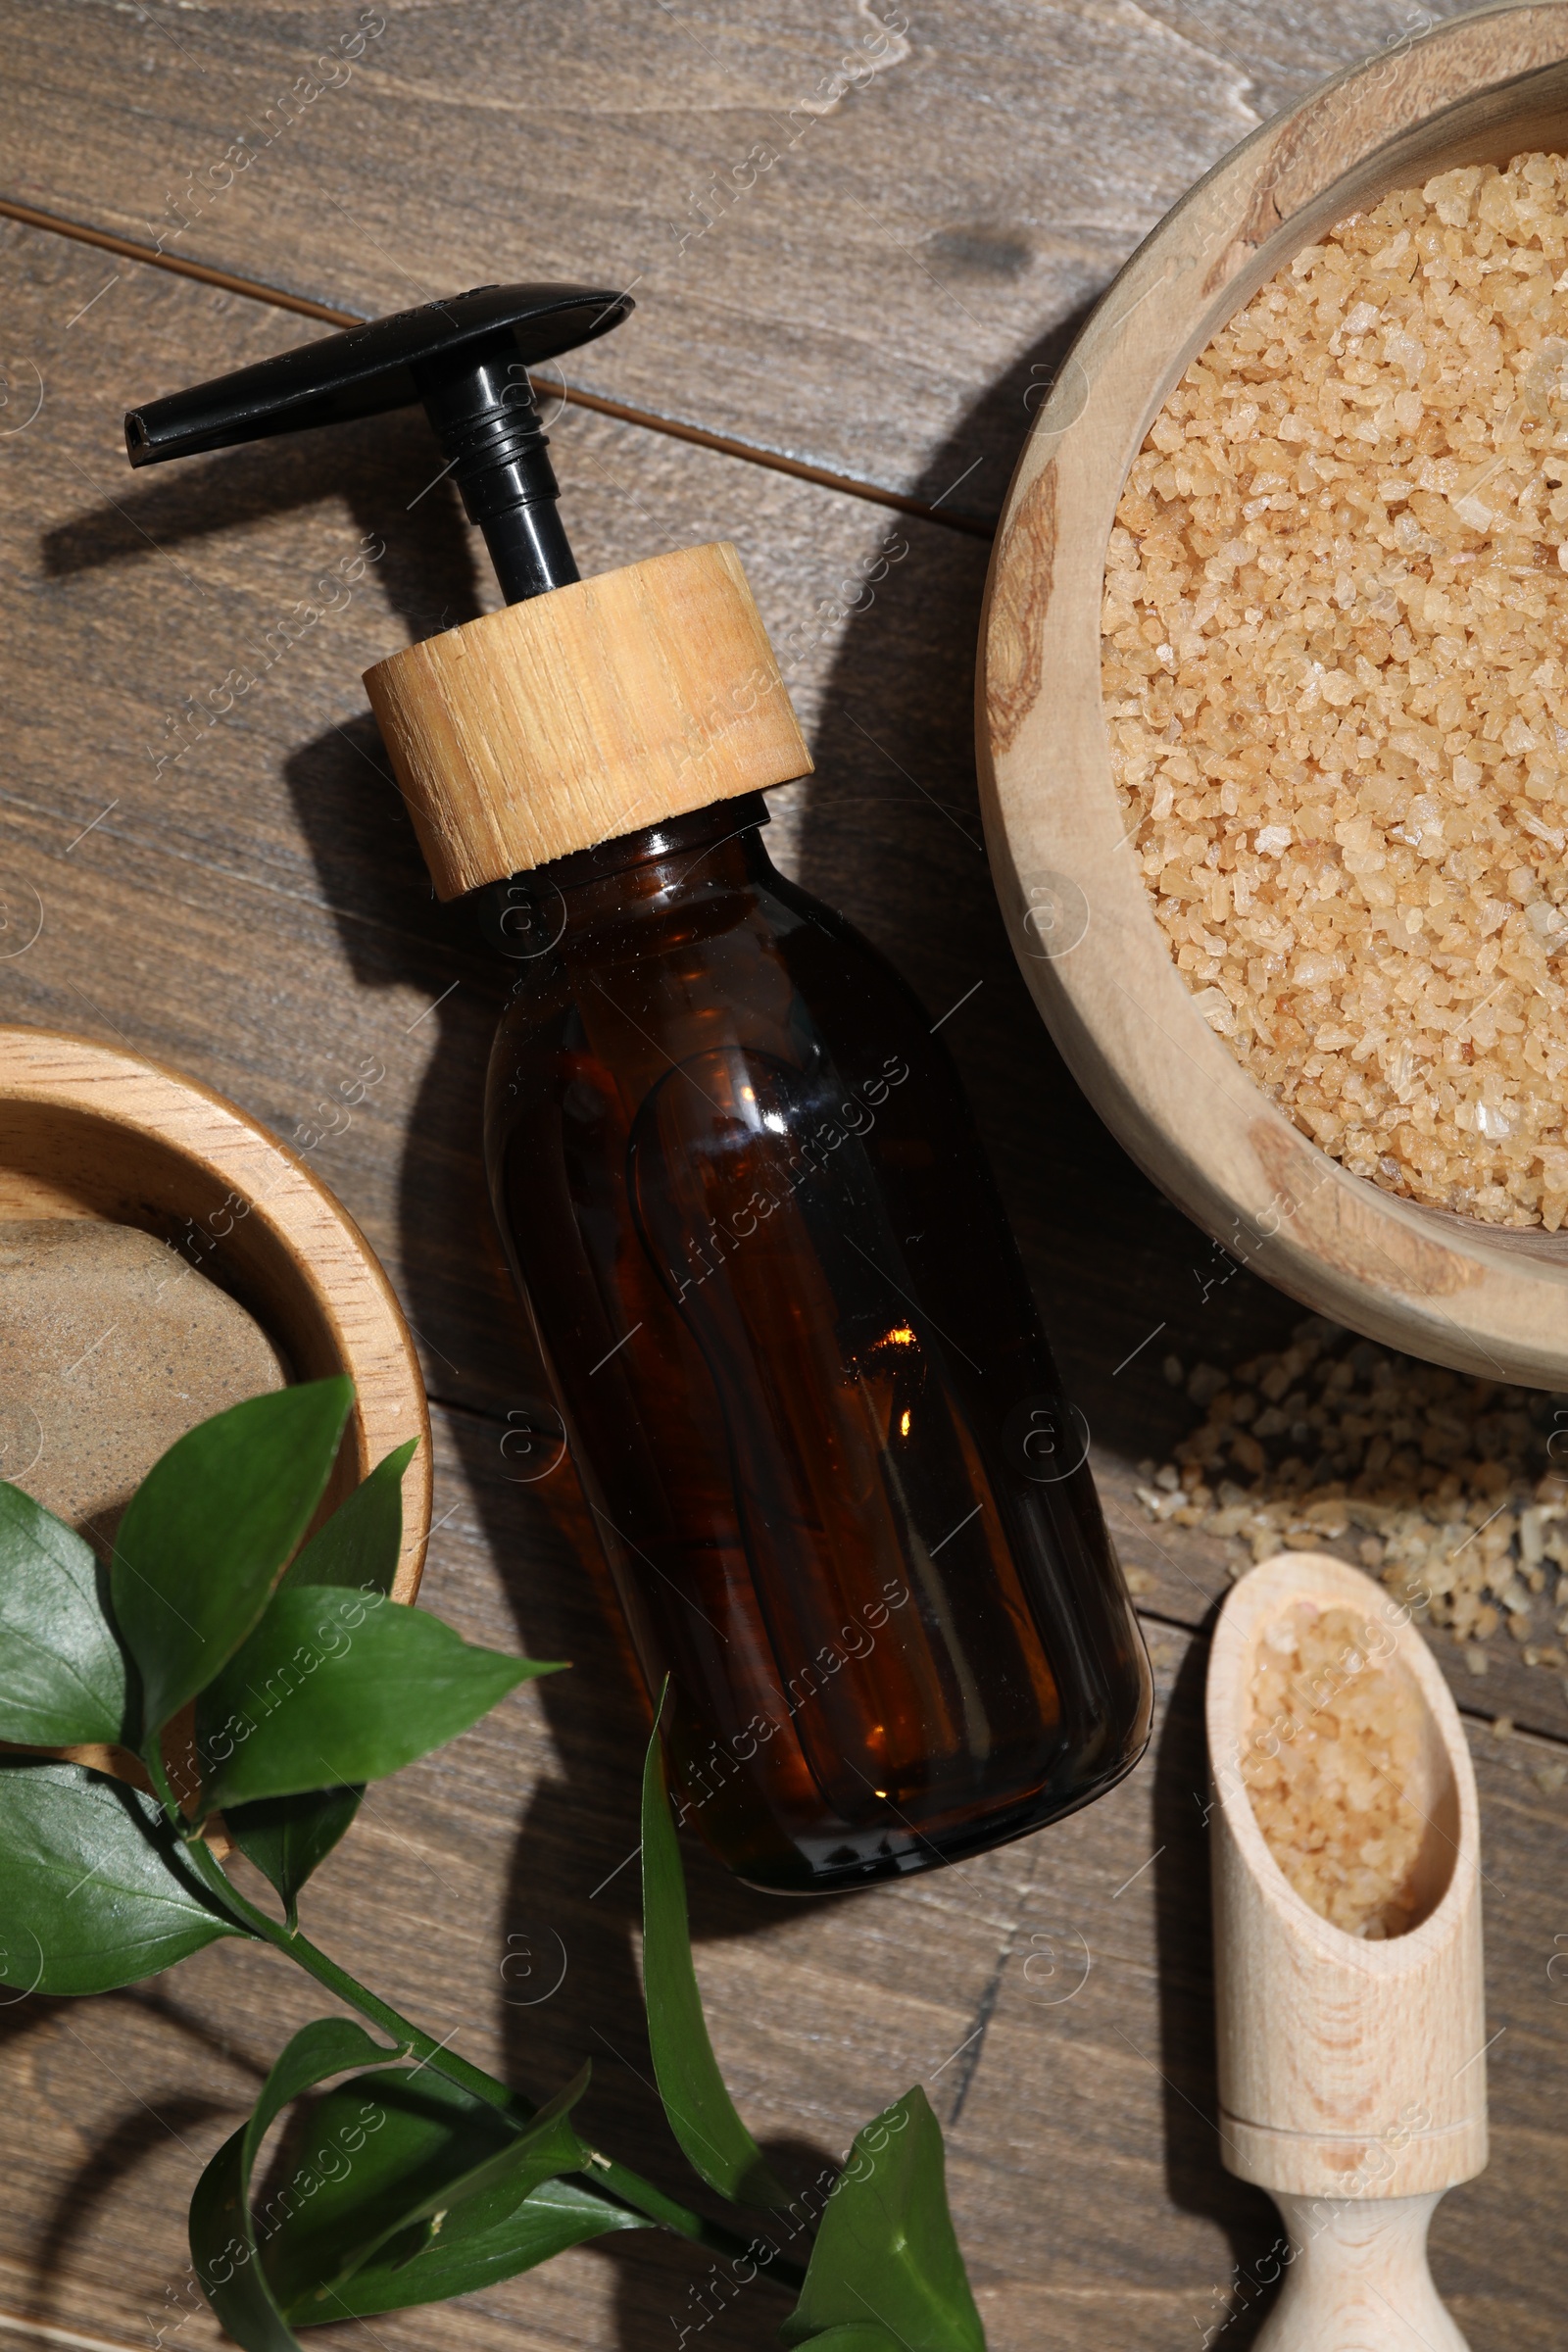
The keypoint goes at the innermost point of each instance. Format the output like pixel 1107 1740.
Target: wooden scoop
pixel 1351 2074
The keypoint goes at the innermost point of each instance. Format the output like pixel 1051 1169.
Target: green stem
pixel 605 2177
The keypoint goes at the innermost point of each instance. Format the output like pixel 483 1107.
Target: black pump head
pixel 467 359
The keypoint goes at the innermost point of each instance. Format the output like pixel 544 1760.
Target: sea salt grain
pixel 1454 1490
pixel 1333 1747
pixel 1336 685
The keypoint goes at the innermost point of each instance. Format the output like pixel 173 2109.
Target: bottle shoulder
pixel 768 951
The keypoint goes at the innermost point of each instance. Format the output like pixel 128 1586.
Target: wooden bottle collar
pixel 558 723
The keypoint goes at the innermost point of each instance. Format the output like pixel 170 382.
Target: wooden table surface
pixel 857 241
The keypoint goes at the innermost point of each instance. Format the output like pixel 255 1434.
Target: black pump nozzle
pixel 467 360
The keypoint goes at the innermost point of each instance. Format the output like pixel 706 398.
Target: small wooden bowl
pixel 89 1132
pixel 1481 88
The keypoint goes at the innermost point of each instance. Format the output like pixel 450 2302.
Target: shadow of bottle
pixel 890 833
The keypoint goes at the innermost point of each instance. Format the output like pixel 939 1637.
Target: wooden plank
pixel 272 856
pixel 271 845
pixel 950 186
pixel 1054 1998
pixel 245 915
pixel 275 853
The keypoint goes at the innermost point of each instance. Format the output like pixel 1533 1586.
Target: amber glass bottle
pixel 808 1392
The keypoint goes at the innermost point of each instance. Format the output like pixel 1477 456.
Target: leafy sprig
pixel 429 2178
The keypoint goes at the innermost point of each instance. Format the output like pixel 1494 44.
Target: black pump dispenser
pixel 467 359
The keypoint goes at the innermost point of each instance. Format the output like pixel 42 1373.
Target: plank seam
pixel 974 527
pixel 18 2324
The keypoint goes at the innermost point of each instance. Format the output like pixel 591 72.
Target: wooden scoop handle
pixel 1358 2279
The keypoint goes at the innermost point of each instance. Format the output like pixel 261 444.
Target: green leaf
pixel 62 1672
pixel 473 2198
pixel 551 2218
pixel 374 2147
pixel 289 1836
pixel 384 2156
pixel 498 2184
pixel 701 2111
pixel 885 2255
pixel 334 1688
pixel 223 2231
pixel 359 1544
pixel 94 1891
pixel 206 1533
pixel 863 2336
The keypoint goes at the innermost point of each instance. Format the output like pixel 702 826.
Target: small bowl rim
pixel 113 1085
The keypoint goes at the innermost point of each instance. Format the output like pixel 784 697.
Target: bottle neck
pixel 649 872
pixel 489 430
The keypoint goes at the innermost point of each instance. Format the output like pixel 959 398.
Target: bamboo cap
pixel 558 723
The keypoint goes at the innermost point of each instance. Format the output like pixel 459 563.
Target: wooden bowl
pixel 86 1131
pixel 1484 1299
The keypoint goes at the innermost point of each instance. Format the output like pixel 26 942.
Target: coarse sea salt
pixel 1335 683
pixel 1450 1490
pixel 1331 1751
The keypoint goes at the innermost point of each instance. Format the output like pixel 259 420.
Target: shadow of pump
pixel 890 833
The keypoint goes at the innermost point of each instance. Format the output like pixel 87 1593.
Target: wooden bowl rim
pixel 1486 1299
pixel 1263 1594
pixel 115 1087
